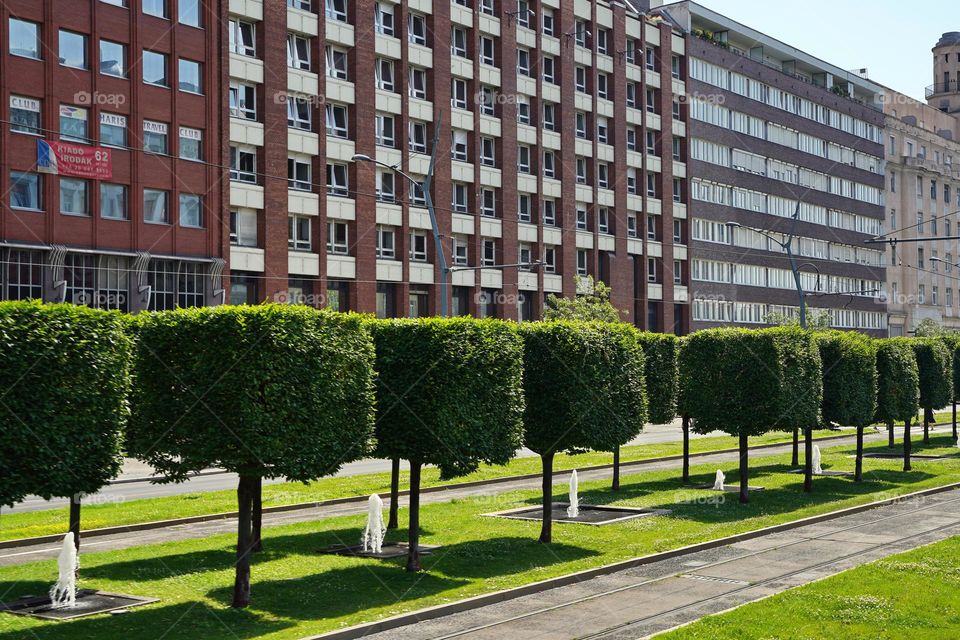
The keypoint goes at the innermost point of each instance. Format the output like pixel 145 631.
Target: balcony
pixel 953 86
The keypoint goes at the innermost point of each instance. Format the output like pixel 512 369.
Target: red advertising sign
pixel 72 159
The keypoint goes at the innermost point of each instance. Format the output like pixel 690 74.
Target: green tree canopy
pixel 849 377
pixel 935 368
pixel 592 305
pixel 898 380
pixel 660 373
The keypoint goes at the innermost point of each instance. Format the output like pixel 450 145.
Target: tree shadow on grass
pixel 183 620
pixel 373 584
pixel 10 591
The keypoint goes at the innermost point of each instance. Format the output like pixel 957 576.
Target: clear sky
pixel 891 38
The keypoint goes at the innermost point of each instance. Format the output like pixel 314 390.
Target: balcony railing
pixel 953 86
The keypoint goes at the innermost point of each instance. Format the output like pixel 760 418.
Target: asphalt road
pixel 220 481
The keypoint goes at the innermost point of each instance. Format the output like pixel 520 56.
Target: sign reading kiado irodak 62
pixel 72 159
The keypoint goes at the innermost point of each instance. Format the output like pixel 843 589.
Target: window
pixel 417 28
pixel 488 152
pixel 155 8
pixel 459 99
pixel 581 33
pixel 603 220
pixel 677 272
pixel 337 120
pixel 651 270
pixel 386 245
pixel 675 67
pixel 581 79
pixel 549 164
pixel 461 201
pixel 549 69
pixel 155 68
pixel 242 40
pixel 338 238
pixel 487 100
pixel 299 113
pixel 676 149
pixel 603 130
pixel 154 137
pixel 458 148
pixel 549 23
pixel 243 228
pixel 549 259
pixel 299 236
pixel 581 170
pixel 523 61
pixel 386 188
pixel 243 101
pixel 458 42
pixel 384 18
pixel 652 143
pixel 489 255
pixel 525 255
pixel 298 52
pixel 549 212
pixel 603 86
pixel 652 185
pixel 416 195
pixel 581 216
pixel 632 95
pixel 488 203
pixel 384 73
pixel 678 231
pixel 113 201
pixel 73 196
pixel 460 250
pixel 243 164
pixel 298 174
pixel 581 125
pixel 632 181
pixel 523 158
pixel 523 109
pixel 24 38
pixel 631 139
pixel 523 207
pixel 549 121
pixel 632 230
pixel 25 115
pixel 418 136
pixel 336 63
pixel 191 211
pixel 487 51
pixel 25 191
pixel 189 143
pixel 651 101
pixel 155 206
pixel 24 272
pixel 582 263
pixel 113 59
pixel 418 246
pixel 652 227
pixel 337 179
pixel 678 190
pixel 336 10
pixel 418 83
pixel 190 76
pixel 73 123
pixel 189 12
pixel 386 135
pixel 73 49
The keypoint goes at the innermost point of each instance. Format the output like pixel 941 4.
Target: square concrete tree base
pixel 89 602
pixel 596 515
pixel 388 551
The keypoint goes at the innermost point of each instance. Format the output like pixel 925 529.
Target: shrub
pixel 898 387
pixel 584 387
pixel 449 393
pixel 849 382
pixel 747 382
pixel 660 375
pixel 65 379
pixel 263 391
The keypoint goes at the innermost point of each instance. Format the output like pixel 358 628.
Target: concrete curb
pixel 161 524
pixel 438 611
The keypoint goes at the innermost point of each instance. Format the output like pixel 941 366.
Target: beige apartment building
pixel 923 198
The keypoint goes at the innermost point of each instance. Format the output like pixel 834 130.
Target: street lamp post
pixel 427 183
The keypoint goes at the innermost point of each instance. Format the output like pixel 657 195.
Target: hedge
pixel 65 380
pixel 449 393
pixel 747 382
pixel 584 385
pixel 952 341
pixel 660 374
pixel 263 391
pixel 898 387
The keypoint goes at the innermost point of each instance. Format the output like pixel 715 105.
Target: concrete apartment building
pixel 562 141
pixel 134 90
pixel 923 198
pixel 770 127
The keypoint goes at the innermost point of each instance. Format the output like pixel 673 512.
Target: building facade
pixel 561 142
pixel 923 199
pixel 772 129
pixel 137 85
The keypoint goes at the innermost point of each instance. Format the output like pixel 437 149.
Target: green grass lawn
pixel 912 595
pixel 297 592
pixel 94 516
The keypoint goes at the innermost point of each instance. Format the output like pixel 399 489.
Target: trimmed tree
pixel 935 366
pixel 747 382
pixel 65 380
pixel 898 387
pixel 849 363
pixel 660 378
pixel 952 341
pixel 584 387
pixel 450 394
pixel 265 391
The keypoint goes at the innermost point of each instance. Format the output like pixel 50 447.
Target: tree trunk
pixel 413 528
pixel 890 443
pixel 744 470
pixel 808 462
pixel 546 522
pixel 394 492
pixel 906 446
pixel 927 413
pixel 954 405
pixel 256 542
pixel 616 470
pixel 75 519
pixel 686 448
pixel 795 460
pixel 246 488
pixel 858 472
